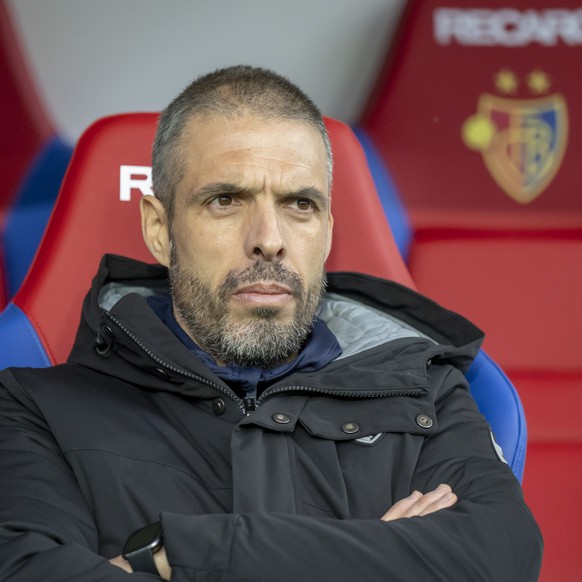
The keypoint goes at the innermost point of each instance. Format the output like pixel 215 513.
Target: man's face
pixel 249 238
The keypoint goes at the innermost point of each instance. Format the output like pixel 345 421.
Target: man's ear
pixel 155 228
pixel 329 235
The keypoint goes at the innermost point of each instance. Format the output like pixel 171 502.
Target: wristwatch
pixel 140 547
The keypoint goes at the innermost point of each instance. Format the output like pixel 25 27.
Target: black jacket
pixel 134 427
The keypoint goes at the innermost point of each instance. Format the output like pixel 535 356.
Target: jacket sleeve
pixel 489 534
pixel 47 531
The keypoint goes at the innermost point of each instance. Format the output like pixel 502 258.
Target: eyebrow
pixel 314 193
pixel 217 188
pixel 214 189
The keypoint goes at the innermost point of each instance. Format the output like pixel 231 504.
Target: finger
pixel 121 563
pixel 400 508
pixel 417 504
pixel 431 501
pixel 431 497
pixel 444 502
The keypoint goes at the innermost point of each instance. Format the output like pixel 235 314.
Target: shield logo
pixel 522 141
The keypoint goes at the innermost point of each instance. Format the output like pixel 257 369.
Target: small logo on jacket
pixel 498 450
pixel 371 440
pixel 522 141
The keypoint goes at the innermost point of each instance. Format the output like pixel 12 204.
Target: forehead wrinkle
pixel 289 167
pixel 283 168
pixel 252 155
pixel 268 176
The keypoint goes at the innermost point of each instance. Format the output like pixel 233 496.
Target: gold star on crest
pixel 538 82
pixel 506 81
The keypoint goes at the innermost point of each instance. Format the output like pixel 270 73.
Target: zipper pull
pixel 250 403
pixel 250 399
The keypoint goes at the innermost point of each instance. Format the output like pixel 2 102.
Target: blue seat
pixel 29 213
pixel 20 342
pixel 499 402
pixel 393 208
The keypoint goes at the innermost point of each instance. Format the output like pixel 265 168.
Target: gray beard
pixel 262 341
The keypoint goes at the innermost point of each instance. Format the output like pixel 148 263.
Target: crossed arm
pixel 415 505
pixel 485 534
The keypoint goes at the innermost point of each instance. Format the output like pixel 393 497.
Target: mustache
pixel 260 271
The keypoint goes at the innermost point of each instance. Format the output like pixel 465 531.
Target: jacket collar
pixel 130 342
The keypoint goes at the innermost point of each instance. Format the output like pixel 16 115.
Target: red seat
pixel 94 215
pixel 97 212
pixel 521 286
pixel 469 94
pixel 33 161
pixel 476 114
pixel 25 126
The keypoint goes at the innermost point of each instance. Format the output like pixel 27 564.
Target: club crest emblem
pixel 522 141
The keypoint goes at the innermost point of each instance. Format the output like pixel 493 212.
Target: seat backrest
pixel 394 209
pixel 522 287
pixel 476 114
pixel 476 107
pixel 33 161
pixel 28 215
pixel 97 212
pixel 25 125
pixel 500 403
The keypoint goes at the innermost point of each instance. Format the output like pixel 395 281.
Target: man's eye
pixel 222 200
pixel 304 204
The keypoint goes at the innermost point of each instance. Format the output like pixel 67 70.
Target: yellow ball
pixel 478 132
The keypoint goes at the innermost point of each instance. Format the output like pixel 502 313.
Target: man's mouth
pixel 265 294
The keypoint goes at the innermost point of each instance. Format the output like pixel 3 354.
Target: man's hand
pixel 159 558
pixel 422 504
pixel 121 563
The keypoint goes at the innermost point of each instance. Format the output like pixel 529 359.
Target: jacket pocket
pixel 352 419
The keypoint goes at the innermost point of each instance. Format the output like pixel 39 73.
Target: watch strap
pixel 140 547
pixel 143 561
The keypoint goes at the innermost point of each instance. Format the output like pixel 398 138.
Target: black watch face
pixel 147 537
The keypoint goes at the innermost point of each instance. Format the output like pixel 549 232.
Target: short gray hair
pixel 230 92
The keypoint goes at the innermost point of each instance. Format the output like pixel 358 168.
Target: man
pixel 254 422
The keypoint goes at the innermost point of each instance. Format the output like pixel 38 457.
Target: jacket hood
pixel 379 324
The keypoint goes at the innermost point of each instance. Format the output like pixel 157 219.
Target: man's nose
pixel 265 235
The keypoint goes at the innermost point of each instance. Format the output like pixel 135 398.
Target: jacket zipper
pixel 240 403
pixel 339 394
pixel 250 403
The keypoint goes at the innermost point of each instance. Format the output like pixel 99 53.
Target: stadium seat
pixel 97 212
pixel 394 210
pixel 28 215
pixel 486 165
pixel 33 160
pixel 475 115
